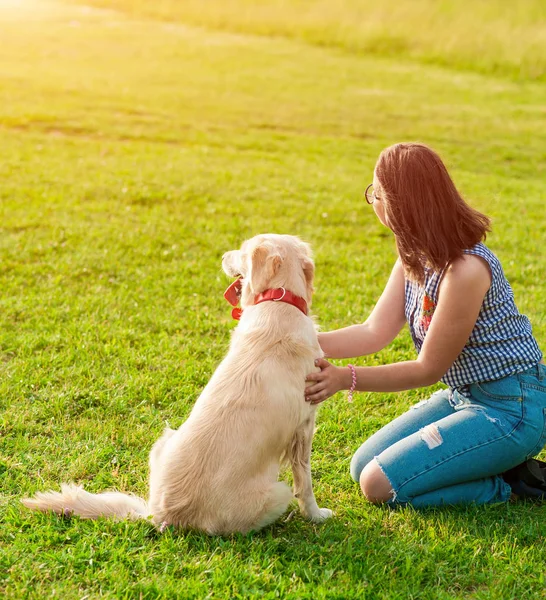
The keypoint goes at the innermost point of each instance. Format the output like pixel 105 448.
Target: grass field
pixel 138 143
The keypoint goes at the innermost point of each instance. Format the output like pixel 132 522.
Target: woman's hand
pixel 326 382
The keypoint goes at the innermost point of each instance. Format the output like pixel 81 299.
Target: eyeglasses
pixel 370 194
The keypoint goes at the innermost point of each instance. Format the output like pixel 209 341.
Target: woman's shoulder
pixel 469 270
pixel 466 282
pixel 481 250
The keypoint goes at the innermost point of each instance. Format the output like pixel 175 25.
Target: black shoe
pixel 528 480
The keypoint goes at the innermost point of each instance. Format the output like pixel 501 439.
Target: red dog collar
pixel 233 295
pixel 282 295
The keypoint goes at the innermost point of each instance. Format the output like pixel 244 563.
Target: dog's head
pixel 269 261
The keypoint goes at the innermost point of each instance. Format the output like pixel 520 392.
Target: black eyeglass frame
pixel 370 196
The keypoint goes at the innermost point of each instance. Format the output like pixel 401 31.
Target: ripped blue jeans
pixel 450 448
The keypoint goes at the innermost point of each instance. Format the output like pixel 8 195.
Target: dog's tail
pixel 74 500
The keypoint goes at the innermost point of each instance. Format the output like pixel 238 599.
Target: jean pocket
pixel 542 441
pixel 507 388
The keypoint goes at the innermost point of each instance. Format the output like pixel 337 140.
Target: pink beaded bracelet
pixel 353 383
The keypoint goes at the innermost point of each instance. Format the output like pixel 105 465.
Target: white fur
pixel 219 471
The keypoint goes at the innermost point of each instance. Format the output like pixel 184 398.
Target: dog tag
pixel 233 293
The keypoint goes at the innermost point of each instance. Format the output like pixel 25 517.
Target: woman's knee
pixel 356 468
pixel 374 484
pixel 360 459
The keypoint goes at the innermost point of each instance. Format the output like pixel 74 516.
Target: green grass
pixel 133 153
pixel 492 36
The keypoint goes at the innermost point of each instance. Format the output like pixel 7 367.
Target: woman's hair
pixel 431 222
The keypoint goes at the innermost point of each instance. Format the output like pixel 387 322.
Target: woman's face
pixel 379 204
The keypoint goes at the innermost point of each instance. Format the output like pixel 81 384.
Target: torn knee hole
pixel 431 436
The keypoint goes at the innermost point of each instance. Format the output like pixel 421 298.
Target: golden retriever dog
pixel 219 471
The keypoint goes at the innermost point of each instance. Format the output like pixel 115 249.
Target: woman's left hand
pixel 326 382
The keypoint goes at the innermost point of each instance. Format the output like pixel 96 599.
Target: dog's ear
pixel 265 263
pixel 308 267
pixel 309 272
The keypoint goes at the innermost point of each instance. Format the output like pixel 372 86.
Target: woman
pixel 451 290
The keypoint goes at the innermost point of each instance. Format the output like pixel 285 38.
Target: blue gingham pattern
pixel 501 342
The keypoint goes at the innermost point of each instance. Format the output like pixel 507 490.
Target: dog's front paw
pixel 321 515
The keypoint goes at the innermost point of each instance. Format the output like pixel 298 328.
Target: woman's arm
pixel 460 299
pixel 380 328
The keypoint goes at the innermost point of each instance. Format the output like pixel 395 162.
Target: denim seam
pixel 540 388
pixel 538 447
pixel 449 458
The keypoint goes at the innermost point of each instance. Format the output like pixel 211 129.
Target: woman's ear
pixel 264 265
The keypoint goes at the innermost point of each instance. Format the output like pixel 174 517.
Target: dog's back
pixel 215 473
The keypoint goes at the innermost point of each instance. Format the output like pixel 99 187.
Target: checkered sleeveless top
pixel 501 342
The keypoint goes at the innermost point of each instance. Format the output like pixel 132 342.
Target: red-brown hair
pixel 431 222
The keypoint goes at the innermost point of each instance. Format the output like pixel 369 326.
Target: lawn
pixel 139 141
